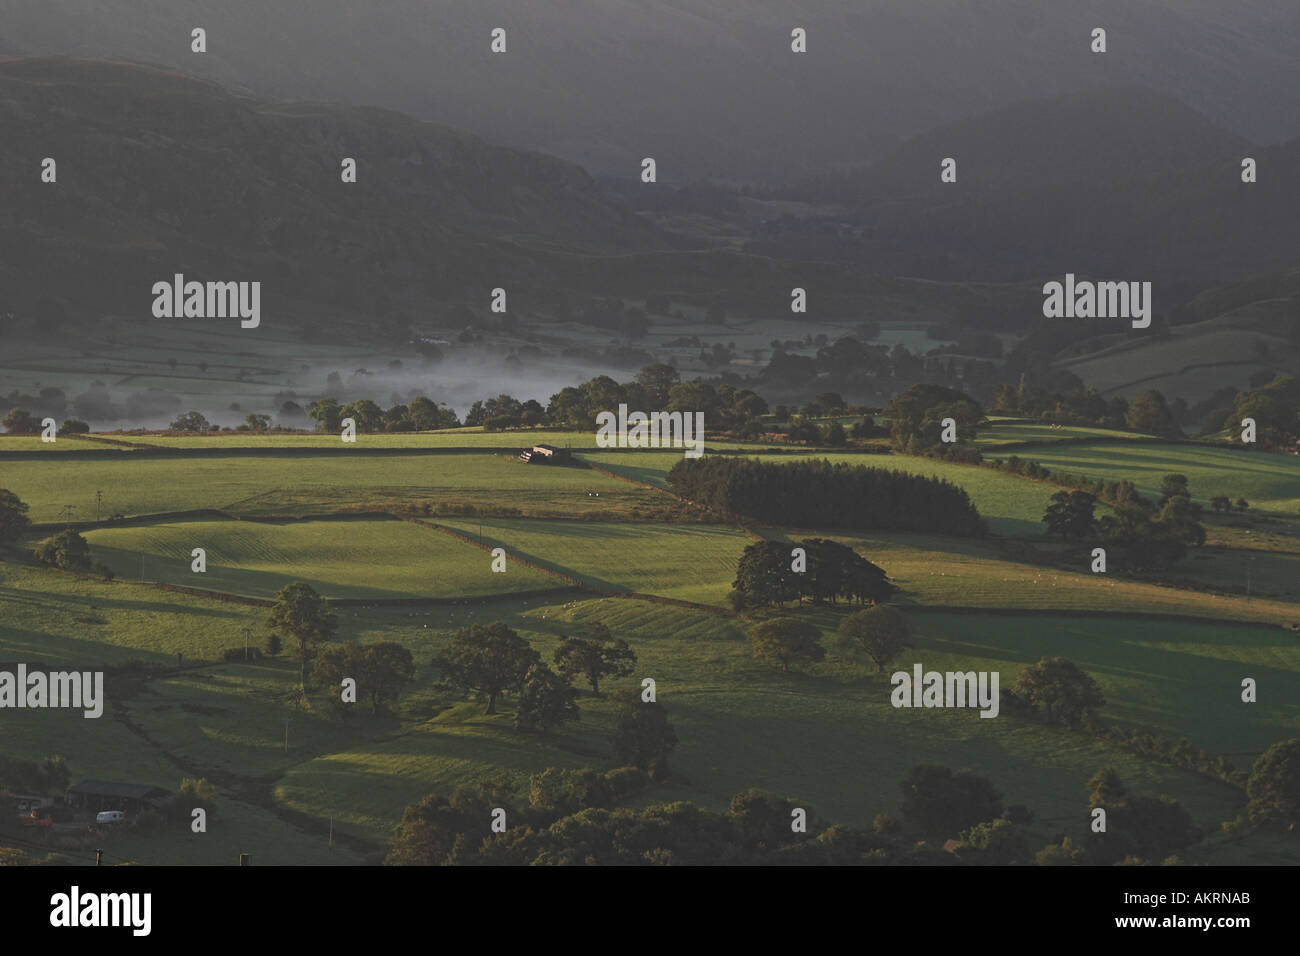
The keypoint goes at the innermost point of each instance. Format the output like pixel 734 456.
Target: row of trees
pixel 822 494
pixel 770 573
pixel 568 817
pixel 421 414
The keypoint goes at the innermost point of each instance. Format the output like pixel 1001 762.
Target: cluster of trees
pixel 421 414
pixel 20 422
pixel 1149 412
pixel 821 494
pixel 380 669
pixel 1057 691
pixel 48 777
pixel 657 387
pixel 877 634
pixel 505 411
pixel 66 550
pixel 569 817
pixel 1273 790
pixel 770 573
pixel 492 660
pixel 13 517
pixel 1140 827
pixel 1276 411
pixel 916 421
pixel 1139 535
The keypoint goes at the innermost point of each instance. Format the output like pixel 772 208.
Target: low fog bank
pixel 456 382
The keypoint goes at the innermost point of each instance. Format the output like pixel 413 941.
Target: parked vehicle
pixel 110 816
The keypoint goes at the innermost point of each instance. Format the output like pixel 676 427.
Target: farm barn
pixel 545 455
pixel 107 795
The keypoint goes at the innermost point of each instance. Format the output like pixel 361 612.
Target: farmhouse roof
pixel 107 788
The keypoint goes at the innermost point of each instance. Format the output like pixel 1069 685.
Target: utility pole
pixel 99 497
pixel 246 634
pixel 99 855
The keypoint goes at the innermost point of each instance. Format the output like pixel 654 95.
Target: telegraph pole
pixel 99 496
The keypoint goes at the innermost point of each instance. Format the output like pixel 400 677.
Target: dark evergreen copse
pixel 825 495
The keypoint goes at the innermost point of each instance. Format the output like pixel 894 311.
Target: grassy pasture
pixel 22 444
pixel 1268 481
pixel 934 571
pixel 1004 432
pixel 687 562
pixel 828 737
pixel 68 621
pixel 445 438
pixel 351 558
pixel 305 484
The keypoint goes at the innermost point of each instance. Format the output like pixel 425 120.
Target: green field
pixel 830 737
pixel 446 438
pixel 825 734
pixel 1005 432
pixel 356 558
pixel 313 484
pixel 939 572
pixel 1269 481
pixel 686 562
pixel 23 444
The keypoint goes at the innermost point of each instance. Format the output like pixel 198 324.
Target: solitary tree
pixel 13 516
pixel 67 550
pixel 20 422
pixel 1071 516
pixel 1173 486
pixel 380 669
pixel 487 660
pixel 546 701
pixel 191 422
pixel 643 736
pixel 941 802
pixel 304 616
pixel 594 657
pixel 1066 693
pixel 879 633
pixel 1105 789
pixel 786 641
pixel 1274 786
pixel 326 413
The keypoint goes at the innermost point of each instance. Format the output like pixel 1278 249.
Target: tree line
pixel 822 494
